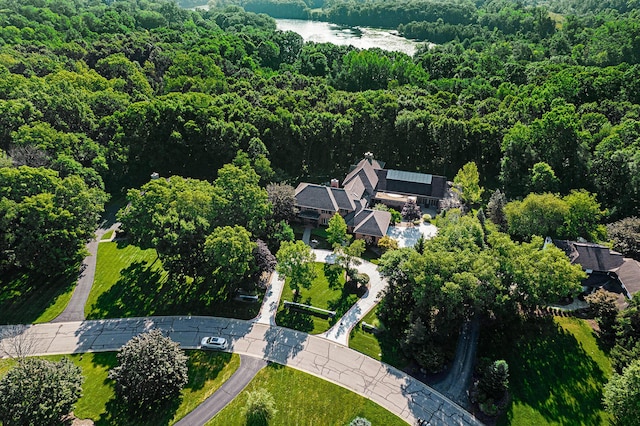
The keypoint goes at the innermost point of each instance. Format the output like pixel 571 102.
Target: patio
pixel 407 234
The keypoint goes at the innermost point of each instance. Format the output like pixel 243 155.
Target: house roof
pixel 315 196
pixel 369 222
pixel 590 256
pixel 410 183
pixel 355 189
pixel 364 171
pixel 409 177
pixel 343 201
pixel 629 274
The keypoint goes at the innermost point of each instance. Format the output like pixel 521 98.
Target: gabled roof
pixel 315 196
pixel 355 189
pixel 364 171
pixel 369 222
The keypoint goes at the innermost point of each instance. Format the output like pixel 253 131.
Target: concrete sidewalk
pixel 339 333
pixel 399 393
pixel 269 308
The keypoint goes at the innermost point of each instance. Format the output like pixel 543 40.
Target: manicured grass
pixel 207 372
pixel 131 282
pixel 107 235
pixel 557 371
pixel 303 399
pixel 26 299
pixel 381 345
pixel 326 292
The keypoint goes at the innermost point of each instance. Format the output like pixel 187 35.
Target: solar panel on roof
pixel 409 176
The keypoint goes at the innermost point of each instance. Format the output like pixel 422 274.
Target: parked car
pixel 214 343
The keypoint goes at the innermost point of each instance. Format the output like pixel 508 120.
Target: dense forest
pixel 115 91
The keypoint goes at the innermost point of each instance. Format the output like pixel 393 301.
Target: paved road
pixel 249 367
pixel 75 309
pixel 458 380
pixel 399 393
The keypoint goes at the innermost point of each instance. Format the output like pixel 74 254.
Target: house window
pixel 325 221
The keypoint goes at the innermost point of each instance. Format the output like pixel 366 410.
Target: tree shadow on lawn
pixel 143 291
pixel 204 366
pixel 25 297
pixel 146 290
pixel 118 413
pixel 295 320
pixel 550 372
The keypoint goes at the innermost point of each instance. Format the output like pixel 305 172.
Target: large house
pixel 367 184
pixel 605 268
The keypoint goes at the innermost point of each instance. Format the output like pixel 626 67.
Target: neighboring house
pixel 367 184
pixel 605 268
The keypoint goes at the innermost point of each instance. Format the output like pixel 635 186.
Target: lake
pixel 360 37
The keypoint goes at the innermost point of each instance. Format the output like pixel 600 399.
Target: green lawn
pixel 207 372
pixel 107 235
pixel 326 292
pixel 303 399
pixel 26 300
pixel 131 282
pixel 381 346
pixel 557 371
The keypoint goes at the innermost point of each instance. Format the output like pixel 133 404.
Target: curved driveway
pixel 399 393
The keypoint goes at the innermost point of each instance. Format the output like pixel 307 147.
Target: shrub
pixel 360 421
pixel 260 407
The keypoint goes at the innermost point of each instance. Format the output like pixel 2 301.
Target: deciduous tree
pixel 337 231
pixel 39 392
pixel 152 369
pixel 622 395
pixel 295 261
pixel 467 183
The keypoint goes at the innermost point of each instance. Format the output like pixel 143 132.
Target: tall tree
pixel 39 392
pixel 282 199
pixel 625 235
pixel 467 184
pixel 151 370
pixel 295 261
pixel 337 231
pixel 622 395
pixel 229 253
pixel 495 210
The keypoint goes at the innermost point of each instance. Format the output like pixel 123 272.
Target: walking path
pixel 271 300
pixel 341 330
pixel 394 390
pixel 75 309
pixel 249 367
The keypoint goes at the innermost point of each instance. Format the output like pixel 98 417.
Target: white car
pixel 214 343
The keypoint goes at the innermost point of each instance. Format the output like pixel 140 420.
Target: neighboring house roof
pixel 369 222
pixel 590 256
pixel 607 268
pixel 355 189
pixel 629 274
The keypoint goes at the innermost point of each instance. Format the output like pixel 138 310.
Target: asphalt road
pixel 249 367
pixel 458 380
pixel 393 389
